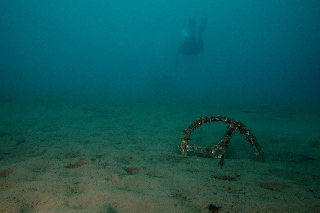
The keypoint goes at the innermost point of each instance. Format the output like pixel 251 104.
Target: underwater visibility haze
pixel 252 50
pixel 99 103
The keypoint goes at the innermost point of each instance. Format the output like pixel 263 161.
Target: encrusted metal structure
pixel 218 150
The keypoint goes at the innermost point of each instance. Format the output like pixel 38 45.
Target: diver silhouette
pixel 192 44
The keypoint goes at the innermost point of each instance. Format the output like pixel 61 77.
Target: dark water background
pixel 265 51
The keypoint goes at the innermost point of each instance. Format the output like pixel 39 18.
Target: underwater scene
pixel 160 106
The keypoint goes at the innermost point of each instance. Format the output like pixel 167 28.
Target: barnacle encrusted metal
pixel 218 150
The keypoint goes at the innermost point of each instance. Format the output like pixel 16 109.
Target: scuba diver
pixel 192 43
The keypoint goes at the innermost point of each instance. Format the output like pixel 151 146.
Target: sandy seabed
pixel 100 156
